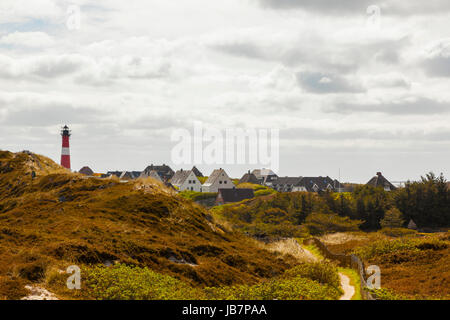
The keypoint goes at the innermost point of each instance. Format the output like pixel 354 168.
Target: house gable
pixel 217 180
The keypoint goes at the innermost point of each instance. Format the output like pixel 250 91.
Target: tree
pixel 371 205
pixel 426 202
pixel 393 219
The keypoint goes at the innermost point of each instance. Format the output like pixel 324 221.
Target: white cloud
pixel 19 11
pixel 135 70
pixel 28 39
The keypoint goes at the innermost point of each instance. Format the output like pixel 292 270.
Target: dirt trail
pixel 348 289
pixel 39 293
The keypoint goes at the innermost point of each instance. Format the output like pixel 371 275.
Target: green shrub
pixel 398 232
pixel 264 192
pixel 386 294
pixel 196 196
pixel 314 281
pixel 388 246
pixel 296 288
pixel 322 272
pixel 385 246
pixel 393 218
pixel 122 282
pixel 320 223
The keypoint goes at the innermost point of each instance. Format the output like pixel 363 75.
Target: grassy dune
pixel 413 265
pixel 60 218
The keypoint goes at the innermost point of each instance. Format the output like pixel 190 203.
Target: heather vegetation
pixel 259 190
pixel 318 281
pixel 412 268
pixel 197 196
pixel 413 265
pixel 164 246
pixel 58 219
pixel 367 208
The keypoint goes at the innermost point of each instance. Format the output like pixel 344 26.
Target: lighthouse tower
pixel 65 153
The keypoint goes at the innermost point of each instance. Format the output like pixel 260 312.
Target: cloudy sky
pixel 356 85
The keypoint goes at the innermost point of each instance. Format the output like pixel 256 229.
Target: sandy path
pixel 38 293
pixel 349 290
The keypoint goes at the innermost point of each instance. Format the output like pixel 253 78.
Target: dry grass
pixel 414 273
pixel 60 218
pixel 342 237
pixel 346 242
pixel 289 247
pixel 419 272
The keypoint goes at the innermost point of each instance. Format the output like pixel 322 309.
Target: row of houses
pixel 190 180
pixel 182 179
pixel 307 184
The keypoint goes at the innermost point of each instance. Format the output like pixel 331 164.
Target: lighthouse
pixel 65 152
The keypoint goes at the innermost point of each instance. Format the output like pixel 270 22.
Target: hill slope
pixel 60 218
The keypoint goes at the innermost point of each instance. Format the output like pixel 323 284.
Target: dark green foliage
pixel 371 204
pixel 319 223
pixel 426 202
pixel 280 215
pixel 319 281
pixel 393 219
pixel 197 196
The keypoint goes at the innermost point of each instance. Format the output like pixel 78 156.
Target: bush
pixel 320 223
pixel 378 248
pixel 264 192
pixel 426 202
pixel 322 272
pixel 386 294
pixel 313 281
pixel 393 218
pixel 122 282
pixel 197 196
pixel 385 246
pixel 398 232
pixel 296 288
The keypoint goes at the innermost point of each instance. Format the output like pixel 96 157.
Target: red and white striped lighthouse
pixel 65 152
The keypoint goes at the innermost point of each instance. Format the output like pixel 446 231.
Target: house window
pixel 225 182
pixel 220 182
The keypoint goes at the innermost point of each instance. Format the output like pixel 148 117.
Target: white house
pixel 186 180
pixel 217 180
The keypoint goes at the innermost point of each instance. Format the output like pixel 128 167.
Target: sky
pixel 354 86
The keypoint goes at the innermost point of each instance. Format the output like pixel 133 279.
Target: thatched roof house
pixel 380 181
pixel 265 176
pixel 86 171
pixel 233 195
pixel 412 225
pixel 151 174
pixel 249 178
pixel 164 171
